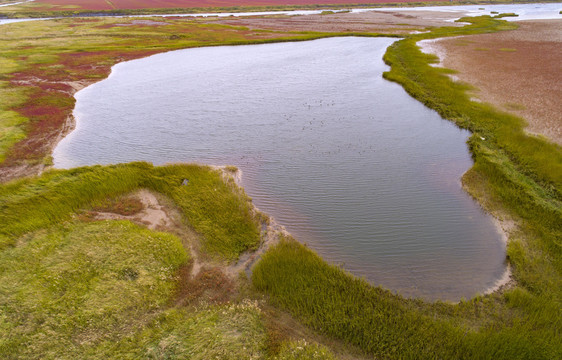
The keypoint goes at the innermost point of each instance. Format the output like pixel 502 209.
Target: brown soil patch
pixel 210 285
pixel 370 21
pixel 518 71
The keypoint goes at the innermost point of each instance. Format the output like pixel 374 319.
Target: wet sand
pixel 518 71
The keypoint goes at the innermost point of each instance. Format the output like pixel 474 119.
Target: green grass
pixel 230 332
pixel 301 350
pixel 69 288
pixel 515 175
pixel 519 326
pixel 217 210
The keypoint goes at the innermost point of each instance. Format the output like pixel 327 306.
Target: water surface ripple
pixel 347 161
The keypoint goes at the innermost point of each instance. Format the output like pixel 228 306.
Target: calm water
pixel 346 160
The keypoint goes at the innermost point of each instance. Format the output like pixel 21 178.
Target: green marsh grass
pixel 69 288
pixel 75 288
pixel 218 211
pixel 515 176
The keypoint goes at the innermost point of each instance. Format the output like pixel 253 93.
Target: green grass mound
pixel 75 288
pixel 217 210
pixel 231 331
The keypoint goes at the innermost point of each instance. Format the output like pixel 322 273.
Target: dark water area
pixel 347 161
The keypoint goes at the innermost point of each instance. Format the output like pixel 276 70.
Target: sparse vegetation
pixel 504 15
pixel 514 106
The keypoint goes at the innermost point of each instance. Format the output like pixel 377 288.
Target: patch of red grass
pixel 163 4
pixel 51 100
pixel 48 113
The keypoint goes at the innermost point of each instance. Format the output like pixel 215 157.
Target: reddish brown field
pixel 518 71
pixel 162 4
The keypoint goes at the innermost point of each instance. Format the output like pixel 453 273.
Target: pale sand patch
pixel 153 215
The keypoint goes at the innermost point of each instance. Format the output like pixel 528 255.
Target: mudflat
pixel 518 71
pixel 372 21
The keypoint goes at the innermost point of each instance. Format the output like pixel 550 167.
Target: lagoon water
pixel 346 160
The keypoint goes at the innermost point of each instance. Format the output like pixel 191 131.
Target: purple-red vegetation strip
pixel 50 100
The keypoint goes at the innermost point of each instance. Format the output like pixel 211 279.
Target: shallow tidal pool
pixel 347 161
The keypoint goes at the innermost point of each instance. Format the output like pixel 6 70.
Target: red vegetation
pixel 51 100
pixel 162 4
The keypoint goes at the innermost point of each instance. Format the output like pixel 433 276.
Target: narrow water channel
pixel 347 161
